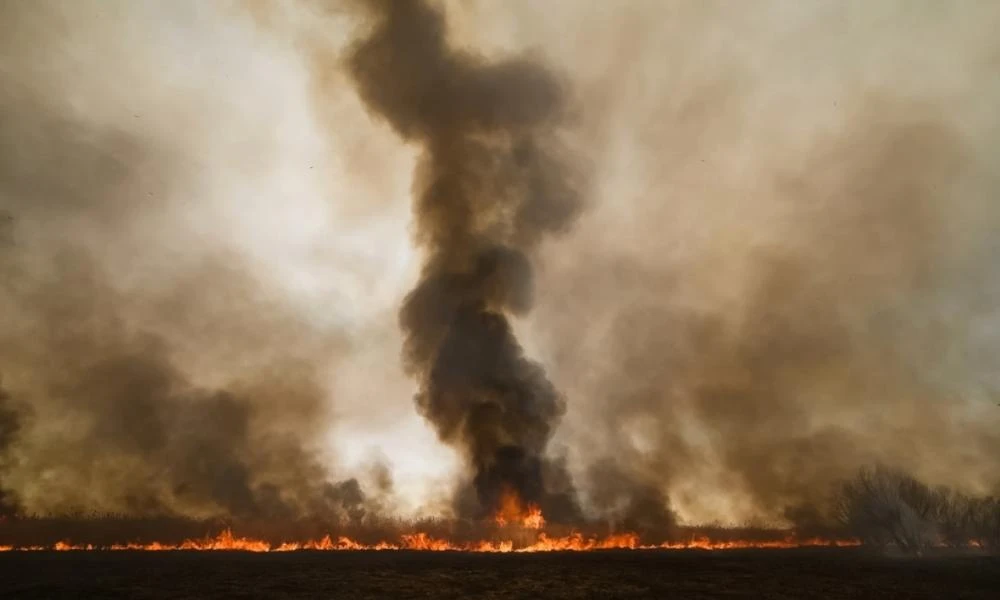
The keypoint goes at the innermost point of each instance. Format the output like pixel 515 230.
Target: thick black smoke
pixel 491 184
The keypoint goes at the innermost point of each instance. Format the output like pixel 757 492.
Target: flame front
pixel 526 520
pixel 575 542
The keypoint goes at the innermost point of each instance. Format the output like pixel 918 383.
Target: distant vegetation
pixel 883 508
pixel 886 507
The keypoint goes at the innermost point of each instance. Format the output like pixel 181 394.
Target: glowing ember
pixel 704 543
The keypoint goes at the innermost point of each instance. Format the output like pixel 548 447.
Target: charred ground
pixel 820 573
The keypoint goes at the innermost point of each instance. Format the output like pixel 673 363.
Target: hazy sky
pixel 788 264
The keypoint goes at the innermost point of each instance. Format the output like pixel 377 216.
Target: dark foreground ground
pixel 816 573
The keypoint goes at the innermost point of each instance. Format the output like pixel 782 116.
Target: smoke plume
pixel 491 183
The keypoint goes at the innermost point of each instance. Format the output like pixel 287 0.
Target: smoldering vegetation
pixel 881 508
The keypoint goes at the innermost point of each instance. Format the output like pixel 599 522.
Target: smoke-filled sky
pixel 745 249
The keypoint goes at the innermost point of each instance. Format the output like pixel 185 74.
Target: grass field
pixel 812 573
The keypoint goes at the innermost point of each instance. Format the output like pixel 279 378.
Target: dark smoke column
pixel 489 186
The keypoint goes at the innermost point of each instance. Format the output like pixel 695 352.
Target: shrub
pixel 883 507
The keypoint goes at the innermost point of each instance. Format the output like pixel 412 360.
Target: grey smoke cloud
pixel 149 366
pixel 790 268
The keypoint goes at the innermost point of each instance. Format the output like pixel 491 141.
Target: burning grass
pixel 879 508
pixel 526 534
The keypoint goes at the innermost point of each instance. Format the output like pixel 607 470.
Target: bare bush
pixel 887 507
pixel 883 506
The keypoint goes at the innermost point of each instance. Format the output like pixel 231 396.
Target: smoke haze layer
pixel 149 366
pixel 790 269
pixel 781 265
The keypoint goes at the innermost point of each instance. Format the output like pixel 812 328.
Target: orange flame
pixel 424 542
pixel 513 511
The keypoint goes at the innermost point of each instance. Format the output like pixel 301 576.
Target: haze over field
pixel 636 261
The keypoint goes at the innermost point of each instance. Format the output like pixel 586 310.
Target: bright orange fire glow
pixel 422 541
pixel 513 511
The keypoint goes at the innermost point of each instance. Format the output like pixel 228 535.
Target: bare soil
pixel 804 573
